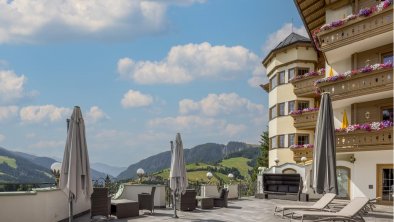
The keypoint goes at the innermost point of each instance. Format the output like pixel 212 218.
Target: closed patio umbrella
pixel 178 178
pixel 324 158
pixel 75 178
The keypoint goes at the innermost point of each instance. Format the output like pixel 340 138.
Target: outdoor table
pixel 124 208
pixel 205 202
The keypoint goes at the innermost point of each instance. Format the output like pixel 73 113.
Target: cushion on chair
pixel 293 189
pixel 283 188
pixel 273 188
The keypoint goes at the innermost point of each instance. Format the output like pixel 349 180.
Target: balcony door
pixel 385 183
pixel 343 180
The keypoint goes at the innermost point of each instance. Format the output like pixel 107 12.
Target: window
pixel 281 77
pixel 291 106
pixel 291 139
pixel 302 139
pixel 281 109
pixel 274 112
pixel 273 142
pixel 387 58
pixel 291 73
pixel 302 71
pixel 281 139
pixel 274 81
pixel 302 105
pixel 387 113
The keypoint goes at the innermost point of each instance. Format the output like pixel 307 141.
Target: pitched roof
pixel 289 40
pixel 292 38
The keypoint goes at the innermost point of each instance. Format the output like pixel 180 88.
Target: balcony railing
pixel 298 153
pixel 359 85
pixel 357 30
pixel 305 120
pixel 304 87
pixel 364 141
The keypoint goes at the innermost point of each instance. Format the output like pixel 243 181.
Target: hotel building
pixel 353 41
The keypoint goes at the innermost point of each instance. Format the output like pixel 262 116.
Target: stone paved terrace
pixel 245 209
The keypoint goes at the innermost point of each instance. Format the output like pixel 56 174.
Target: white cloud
pixel 95 114
pixel 48 144
pixel 2 137
pixel 259 76
pixel 185 122
pixel 136 99
pixel 39 20
pixel 37 114
pixel 234 129
pixel 7 112
pixel 215 104
pixel 11 86
pixel 184 63
pixel 275 38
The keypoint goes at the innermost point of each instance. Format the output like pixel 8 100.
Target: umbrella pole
pixel 70 218
pixel 174 203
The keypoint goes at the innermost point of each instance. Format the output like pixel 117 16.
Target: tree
pixel 262 160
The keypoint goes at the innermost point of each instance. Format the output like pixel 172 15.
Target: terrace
pixel 245 209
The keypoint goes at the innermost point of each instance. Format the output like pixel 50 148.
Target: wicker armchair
pixel 222 200
pixel 100 203
pixel 187 201
pixel 146 200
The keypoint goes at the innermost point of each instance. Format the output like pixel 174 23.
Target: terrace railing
pixel 304 87
pixel 359 85
pixel 12 187
pixel 365 141
pixel 305 120
pixel 356 30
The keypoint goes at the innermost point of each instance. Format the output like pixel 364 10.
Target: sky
pixel 140 70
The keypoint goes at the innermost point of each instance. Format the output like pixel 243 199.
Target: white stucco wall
pixel 364 173
pixel 44 206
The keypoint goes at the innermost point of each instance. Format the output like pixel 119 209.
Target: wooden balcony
pixel 357 30
pixel 305 87
pixel 298 153
pixel 364 141
pixel 305 120
pixel 359 85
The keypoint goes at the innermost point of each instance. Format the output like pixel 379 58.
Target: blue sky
pixel 140 70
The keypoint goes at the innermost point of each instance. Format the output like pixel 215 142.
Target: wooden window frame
pixel 271 80
pixel 298 68
pixel 288 139
pixel 288 106
pixel 288 73
pixel 385 54
pixel 270 112
pixel 284 139
pixel 297 101
pixel 284 77
pixel 270 145
pixel 301 134
pixel 278 109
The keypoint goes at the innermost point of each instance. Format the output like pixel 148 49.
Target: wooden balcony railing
pixel 364 141
pixel 305 120
pixel 305 87
pixel 359 85
pixel 357 30
pixel 298 153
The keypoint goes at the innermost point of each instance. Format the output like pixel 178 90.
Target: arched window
pixel 289 171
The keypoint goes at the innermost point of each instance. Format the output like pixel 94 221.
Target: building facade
pixel 355 38
pixel 294 56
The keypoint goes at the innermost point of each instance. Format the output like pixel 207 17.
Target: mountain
pixel 107 169
pixel 35 163
pixel 206 153
pixel 16 168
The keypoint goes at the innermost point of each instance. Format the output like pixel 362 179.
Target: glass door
pixel 343 180
pixel 385 183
